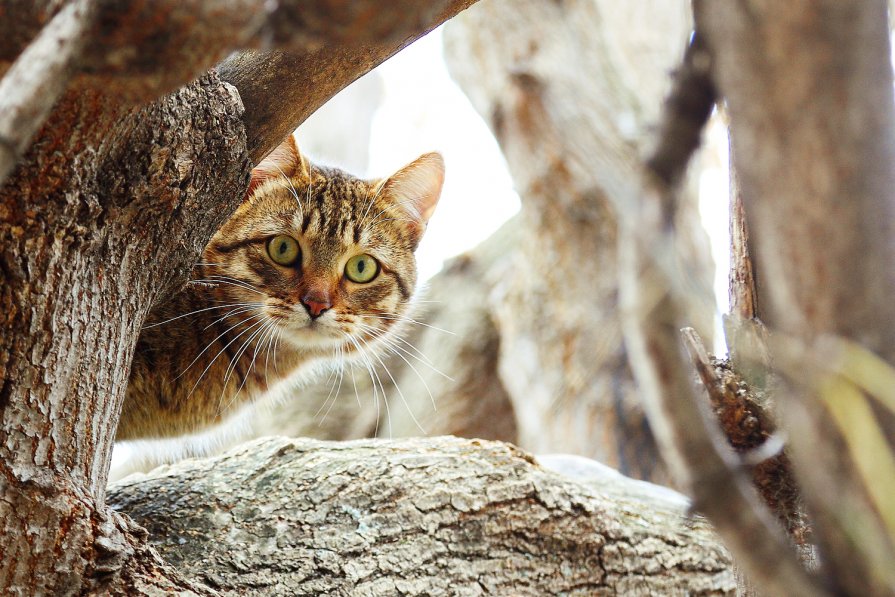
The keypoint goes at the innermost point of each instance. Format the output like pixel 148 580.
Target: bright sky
pixel 424 110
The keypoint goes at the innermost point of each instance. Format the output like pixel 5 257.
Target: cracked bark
pixel 438 516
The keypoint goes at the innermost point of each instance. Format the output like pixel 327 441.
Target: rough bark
pixel 105 213
pixel 438 516
pixel 571 90
pixel 809 91
pixel 746 417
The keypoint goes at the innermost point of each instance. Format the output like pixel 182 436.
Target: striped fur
pixel 240 327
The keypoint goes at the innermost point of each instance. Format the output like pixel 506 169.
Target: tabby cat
pixel 315 265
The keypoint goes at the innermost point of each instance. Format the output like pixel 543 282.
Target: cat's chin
pixel 313 337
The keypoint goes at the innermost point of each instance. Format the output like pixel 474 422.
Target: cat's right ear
pixel 285 161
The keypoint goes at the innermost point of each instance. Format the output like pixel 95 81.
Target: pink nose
pixel 316 304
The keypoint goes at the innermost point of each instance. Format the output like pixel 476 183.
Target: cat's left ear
pixel 416 188
pixel 286 160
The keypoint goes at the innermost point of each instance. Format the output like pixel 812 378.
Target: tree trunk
pixel 105 214
pixel 437 516
pixel 809 91
pixel 571 90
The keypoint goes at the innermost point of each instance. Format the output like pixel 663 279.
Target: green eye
pixel 361 269
pixel 283 249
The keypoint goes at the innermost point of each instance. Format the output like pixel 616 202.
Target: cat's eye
pixel 284 250
pixel 361 268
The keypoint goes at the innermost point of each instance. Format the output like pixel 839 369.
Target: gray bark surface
pixel 438 516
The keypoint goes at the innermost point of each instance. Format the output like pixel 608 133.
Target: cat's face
pixel 323 258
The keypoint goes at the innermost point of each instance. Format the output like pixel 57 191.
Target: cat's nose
pixel 316 304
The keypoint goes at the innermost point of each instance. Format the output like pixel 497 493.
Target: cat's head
pixel 322 257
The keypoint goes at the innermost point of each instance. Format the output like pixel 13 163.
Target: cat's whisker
pixel 193 389
pixel 396 350
pixel 419 356
pixel 152 325
pixel 354 385
pixel 215 280
pixel 351 369
pixel 338 388
pixel 236 281
pixel 398 388
pixel 274 331
pixel 406 319
pixel 374 377
pixel 259 344
pixel 218 337
pixel 231 368
pixel 332 376
pixel 231 313
pixel 263 346
pixel 384 337
pixel 276 343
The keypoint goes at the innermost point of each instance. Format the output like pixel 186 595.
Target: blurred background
pixel 519 336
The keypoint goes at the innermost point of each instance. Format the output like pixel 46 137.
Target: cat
pixel 315 265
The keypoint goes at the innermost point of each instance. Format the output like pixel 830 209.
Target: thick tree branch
pixel 690 439
pixel 139 50
pixel 433 516
pixel 280 89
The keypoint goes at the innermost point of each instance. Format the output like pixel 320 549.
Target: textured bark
pixel 105 214
pixel 746 417
pixel 809 91
pixel 571 90
pixel 437 516
pixel 84 236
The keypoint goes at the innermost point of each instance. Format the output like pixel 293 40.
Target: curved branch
pixel 280 89
pixel 140 50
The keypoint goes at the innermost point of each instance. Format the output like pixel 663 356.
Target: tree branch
pixel 690 439
pixel 139 50
pixel 425 516
pixel 809 91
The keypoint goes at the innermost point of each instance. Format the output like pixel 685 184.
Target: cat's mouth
pixel 316 333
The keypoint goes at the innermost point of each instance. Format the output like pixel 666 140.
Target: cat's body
pixel 314 266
